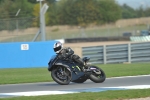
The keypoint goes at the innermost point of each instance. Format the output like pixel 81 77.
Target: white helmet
pixel 58 47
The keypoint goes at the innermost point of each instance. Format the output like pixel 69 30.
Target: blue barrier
pixel 25 54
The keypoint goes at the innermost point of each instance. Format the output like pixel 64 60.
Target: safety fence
pixel 121 53
pixel 24 30
pixel 140 38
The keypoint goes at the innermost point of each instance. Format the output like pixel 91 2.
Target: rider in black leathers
pixel 64 53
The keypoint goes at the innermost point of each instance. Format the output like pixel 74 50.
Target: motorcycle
pixel 65 71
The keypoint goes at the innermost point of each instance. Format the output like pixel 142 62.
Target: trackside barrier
pixel 25 54
pixel 140 38
pixel 122 53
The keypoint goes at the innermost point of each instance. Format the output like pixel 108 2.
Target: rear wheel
pixel 61 75
pixel 98 75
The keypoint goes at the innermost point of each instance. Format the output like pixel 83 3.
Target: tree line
pixel 69 12
pixel 129 12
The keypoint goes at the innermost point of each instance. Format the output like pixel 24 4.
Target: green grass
pixel 115 70
pixel 24 75
pixel 29 75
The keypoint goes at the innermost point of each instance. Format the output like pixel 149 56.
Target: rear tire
pixel 97 78
pixel 61 77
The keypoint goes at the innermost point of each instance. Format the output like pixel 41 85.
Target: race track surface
pixel 130 82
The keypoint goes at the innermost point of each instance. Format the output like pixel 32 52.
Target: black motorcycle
pixel 65 71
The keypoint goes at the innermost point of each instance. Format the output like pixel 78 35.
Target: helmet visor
pixel 57 48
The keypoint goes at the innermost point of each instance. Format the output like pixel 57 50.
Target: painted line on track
pixel 99 89
pixel 129 76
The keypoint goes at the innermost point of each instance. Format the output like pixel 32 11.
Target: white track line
pixel 36 93
pixel 99 89
pixel 129 76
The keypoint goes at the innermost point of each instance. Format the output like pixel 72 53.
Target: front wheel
pixel 61 75
pixel 98 75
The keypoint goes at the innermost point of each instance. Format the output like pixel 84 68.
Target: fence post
pixel 42 21
pixel 104 54
pixel 129 52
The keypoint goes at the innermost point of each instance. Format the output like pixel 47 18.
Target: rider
pixel 63 53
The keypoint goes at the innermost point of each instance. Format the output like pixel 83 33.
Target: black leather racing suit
pixel 66 52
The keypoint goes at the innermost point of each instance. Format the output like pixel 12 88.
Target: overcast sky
pixel 135 3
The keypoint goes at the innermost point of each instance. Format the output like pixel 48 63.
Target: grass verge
pixel 29 75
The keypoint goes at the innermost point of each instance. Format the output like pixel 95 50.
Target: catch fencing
pixel 121 53
pixel 25 29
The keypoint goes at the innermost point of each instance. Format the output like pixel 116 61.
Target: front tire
pixel 61 75
pixel 97 78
